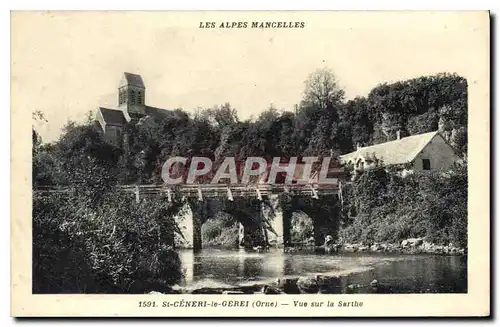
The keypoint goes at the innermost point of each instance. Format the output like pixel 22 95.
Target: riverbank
pixel 408 246
pixel 342 273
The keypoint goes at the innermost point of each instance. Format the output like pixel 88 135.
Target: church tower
pixel 132 96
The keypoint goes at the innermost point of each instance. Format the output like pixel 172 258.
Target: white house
pixel 422 152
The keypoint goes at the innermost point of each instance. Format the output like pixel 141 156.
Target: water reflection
pixel 404 273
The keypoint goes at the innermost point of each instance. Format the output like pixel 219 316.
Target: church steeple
pixel 132 96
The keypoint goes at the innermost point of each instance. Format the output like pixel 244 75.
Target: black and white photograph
pixel 265 153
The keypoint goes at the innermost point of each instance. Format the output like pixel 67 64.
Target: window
pixel 426 164
pixel 139 97
pixel 132 97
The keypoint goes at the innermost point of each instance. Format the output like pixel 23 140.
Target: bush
pixel 222 230
pixel 382 206
pixel 118 247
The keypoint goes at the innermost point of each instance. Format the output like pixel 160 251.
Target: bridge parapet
pixel 201 191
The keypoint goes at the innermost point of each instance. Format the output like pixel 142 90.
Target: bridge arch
pixel 323 214
pixel 246 212
pixel 318 217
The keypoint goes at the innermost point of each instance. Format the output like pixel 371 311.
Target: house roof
pixel 394 152
pixel 132 79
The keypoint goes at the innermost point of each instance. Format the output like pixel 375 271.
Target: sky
pixel 66 64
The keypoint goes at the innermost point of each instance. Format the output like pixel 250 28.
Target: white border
pixel 183 5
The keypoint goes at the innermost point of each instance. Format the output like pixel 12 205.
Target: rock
pixel 326 281
pixel 176 288
pixel 351 288
pixel 329 244
pixel 288 284
pixel 363 248
pixel 266 289
pixel 375 247
pixel 328 240
pixel 412 242
pixel 416 241
pixel 308 285
pixel 427 246
pixel 155 293
pixel 351 247
pixel 329 284
pixel 259 249
pixel 374 283
pixel 233 292
pixel 206 290
pixel 439 249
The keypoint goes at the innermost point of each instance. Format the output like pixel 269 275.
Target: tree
pixel 86 161
pixel 318 113
pixel 223 115
pixel 322 90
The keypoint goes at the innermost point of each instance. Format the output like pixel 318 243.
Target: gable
pixel 438 153
pixel 112 116
pixel 100 119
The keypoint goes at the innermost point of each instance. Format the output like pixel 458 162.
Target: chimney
pixel 398 134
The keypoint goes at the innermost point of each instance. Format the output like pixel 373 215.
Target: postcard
pixel 191 164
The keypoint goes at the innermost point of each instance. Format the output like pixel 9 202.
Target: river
pixel 396 273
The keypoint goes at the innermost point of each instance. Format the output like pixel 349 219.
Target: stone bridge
pixel 264 212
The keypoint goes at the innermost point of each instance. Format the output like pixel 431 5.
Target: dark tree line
pixel 322 122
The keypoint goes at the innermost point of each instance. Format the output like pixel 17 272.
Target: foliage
pixel 414 106
pixel 94 240
pixel 383 206
pixel 222 230
pixel 118 247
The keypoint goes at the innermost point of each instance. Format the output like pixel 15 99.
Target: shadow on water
pixel 396 273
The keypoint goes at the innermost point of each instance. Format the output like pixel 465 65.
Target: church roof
pixel 112 116
pixel 157 112
pixel 394 152
pixel 115 117
pixel 132 79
